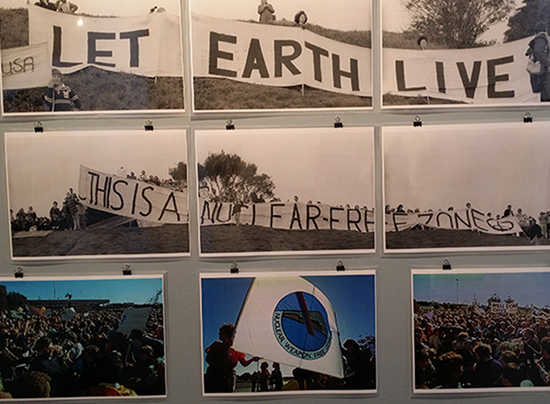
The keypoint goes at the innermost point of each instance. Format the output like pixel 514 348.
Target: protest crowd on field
pixel 459 346
pixel 45 355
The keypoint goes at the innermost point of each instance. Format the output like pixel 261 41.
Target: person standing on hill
pixel 266 11
pixel 60 97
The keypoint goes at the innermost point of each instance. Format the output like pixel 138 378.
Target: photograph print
pixel 481 330
pixel 91 55
pixel 76 338
pixel 464 187
pixel 273 191
pixel 268 334
pixel 97 194
pixel 264 54
pixel 468 52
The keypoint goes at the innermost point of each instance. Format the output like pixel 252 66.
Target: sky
pixel 119 8
pixel 42 167
pixel 488 165
pixel 524 287
pixel 327 165
pixel 352 298
pixel 395 19
pixel 345 15
pixel 124 290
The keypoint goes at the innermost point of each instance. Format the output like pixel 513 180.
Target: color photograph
pixel 91 55
pixel 71 338
pixel 467 53
pixel 273 191
pixel 97 194
pixel 464 187
pixel 481 330
pixel 268 334
pixel 258 54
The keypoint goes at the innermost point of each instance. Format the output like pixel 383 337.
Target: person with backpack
pixel 539 52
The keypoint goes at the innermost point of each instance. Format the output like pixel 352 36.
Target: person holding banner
pixel 65 7
pixel 266 11
pixel 222 359
pixel 60 97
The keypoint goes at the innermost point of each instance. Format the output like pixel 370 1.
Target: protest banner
pixel 463 219
pixel 131 198
pixel 278 56
pixel 288 216
pixel 133 319
pixel 485 75
pixel 148 45
pixel 25 67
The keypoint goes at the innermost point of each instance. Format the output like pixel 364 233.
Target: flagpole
pixel 245 301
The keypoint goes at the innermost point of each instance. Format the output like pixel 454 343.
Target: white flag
pixel 290 321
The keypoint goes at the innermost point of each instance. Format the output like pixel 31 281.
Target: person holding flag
pixel 222 359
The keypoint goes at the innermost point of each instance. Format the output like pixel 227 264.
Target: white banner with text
pixel 278 56
pixel 463 219
pixel 25 67
pixel 488 75
pixel 131 198
pixel 148 45
pixel 287 216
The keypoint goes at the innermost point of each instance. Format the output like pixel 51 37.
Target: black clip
pixel 527 118
pixel 234 268
pixel 446 265
pixel 149 125
pixel 340 266
pixel 229 124
pixel 417 122
pixel 38 128
pixel 126 271
pixel 18 273
pixel 338 123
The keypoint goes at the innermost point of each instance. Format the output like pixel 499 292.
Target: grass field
pixel 169 238
pixel 439 238
pixel 220 94
pixel 232 238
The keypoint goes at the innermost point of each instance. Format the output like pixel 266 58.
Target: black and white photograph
pixel 264 54
pixel 97 194
pixel 275 334
pixel 481 330
pixel 91 55
pixel 272 191
pixel 470 186
pixel 465 53
pixel 81 337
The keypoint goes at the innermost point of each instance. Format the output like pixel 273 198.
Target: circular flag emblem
pixel 301 326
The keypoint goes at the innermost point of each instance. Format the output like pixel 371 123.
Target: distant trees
pixel 179 174
pixel 457 24
pixel 522 24
pixel 228 178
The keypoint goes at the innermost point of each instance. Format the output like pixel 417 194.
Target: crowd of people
pixel 43 355
pixel 71 216
pixel 222 359
pixel 466 347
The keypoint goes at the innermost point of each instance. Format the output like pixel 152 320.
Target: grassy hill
pixel 232 238
pixel 98 90
pixel 440 238
pixel 166 239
